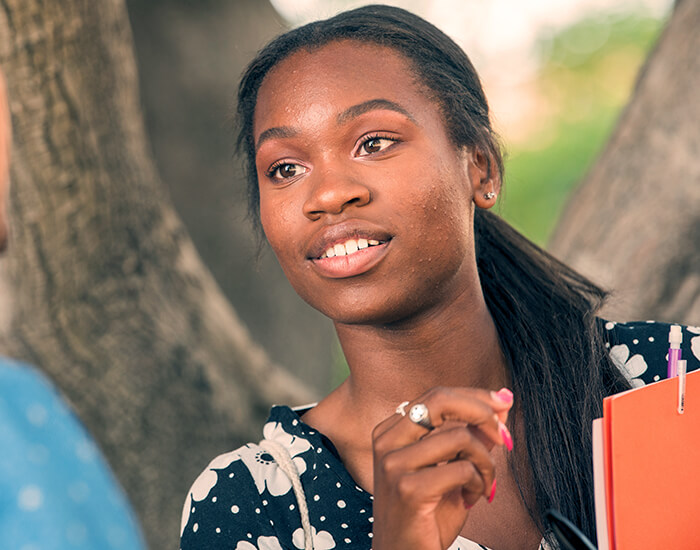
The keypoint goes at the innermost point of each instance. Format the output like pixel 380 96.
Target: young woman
pixel 476 360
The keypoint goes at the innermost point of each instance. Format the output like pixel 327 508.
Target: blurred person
pixel 56 490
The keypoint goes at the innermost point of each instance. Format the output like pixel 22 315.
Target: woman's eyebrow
pixel 371 105
pixel 275 132
pixel 345 116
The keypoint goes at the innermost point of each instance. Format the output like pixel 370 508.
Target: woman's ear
pixel 485 177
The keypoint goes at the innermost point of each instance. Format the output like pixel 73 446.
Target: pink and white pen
pixel 675 337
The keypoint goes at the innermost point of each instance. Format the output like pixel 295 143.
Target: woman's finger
pixel 478 408
pixel 455 443
pixel 431 484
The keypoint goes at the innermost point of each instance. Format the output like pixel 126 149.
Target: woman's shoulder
pixel 640 348
pixel 244 500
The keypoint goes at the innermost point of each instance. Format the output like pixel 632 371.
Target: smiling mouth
pixel 349 247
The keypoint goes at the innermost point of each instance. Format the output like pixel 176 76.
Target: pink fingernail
pixel 505 436
pixel 504 395
pixel 493 491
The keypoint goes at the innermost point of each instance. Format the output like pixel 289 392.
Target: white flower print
pixel 262 466
pixel 695 341
pixel 264 543
pixel 632 367
pixel 204 483
pixel 323 540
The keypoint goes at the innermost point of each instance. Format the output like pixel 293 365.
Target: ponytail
pixel 545 315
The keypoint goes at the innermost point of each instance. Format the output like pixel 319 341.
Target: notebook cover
pixel 653 472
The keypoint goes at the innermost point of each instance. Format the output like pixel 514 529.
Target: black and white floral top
pixel 243 501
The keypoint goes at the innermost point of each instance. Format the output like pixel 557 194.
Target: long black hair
pixel 545 312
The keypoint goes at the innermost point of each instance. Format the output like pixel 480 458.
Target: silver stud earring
pixel 488 196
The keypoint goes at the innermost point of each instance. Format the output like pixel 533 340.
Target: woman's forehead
pixel 345 72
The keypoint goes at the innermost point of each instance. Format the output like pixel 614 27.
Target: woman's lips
pixel 354 257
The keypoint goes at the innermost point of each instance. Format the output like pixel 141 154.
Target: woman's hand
pixel 425 480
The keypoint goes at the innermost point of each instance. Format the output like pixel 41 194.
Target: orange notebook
pixel 646 464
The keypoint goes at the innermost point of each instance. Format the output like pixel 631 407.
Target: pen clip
pixel 681 366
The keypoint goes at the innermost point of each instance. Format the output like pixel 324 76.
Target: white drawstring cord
pixel 286 464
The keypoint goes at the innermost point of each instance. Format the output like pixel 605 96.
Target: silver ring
pixel 401 409
pixel 419 415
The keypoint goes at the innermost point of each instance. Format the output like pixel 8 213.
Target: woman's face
pixel 364 199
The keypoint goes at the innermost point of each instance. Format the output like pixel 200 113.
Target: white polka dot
pixel 318 450
pixel 30 498
pixel 291 506
pixel 257 510
pixel 651 321
pixel 235 509
pixel 218 529
pixel 651 338
pixel 192 511
pixel 607 344
pixel 370 534
pixel 344 525
pixel 85 451
pixel 295 422
pixel 311 432
pixel 338 485
pixel 116 536
pixel 231 474
pixel 213 499
pixel 249 536
pixel 76 533
pixel 38 454
pixel 609 325
pixel 79 491
pixel 635 341
pixel 37 414
pixel 322 518
pixel 272 522
pixel 326 465
pixel 195 527
pixel 317 498
pixel 341 504
pixel 347 541
pixel 657 378
pixel 358 488
pixel 264 503
pixel 370 519
pixel 362 511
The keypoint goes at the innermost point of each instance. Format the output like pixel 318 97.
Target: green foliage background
pixel 587 72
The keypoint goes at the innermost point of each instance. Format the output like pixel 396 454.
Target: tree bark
pixel 190 56
pixel 634 223
pixel 107 293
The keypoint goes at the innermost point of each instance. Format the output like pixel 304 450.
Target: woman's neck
pixel 452 345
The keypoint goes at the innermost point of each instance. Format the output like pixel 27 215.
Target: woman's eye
pixel 287 170
pixel 374 145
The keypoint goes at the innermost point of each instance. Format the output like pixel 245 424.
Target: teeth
pixel 349 247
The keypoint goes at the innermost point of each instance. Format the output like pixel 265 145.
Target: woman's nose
pixel 332 194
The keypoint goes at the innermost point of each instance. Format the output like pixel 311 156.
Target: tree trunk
pixel 107 293
pixel 190 56
pixel 634 223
